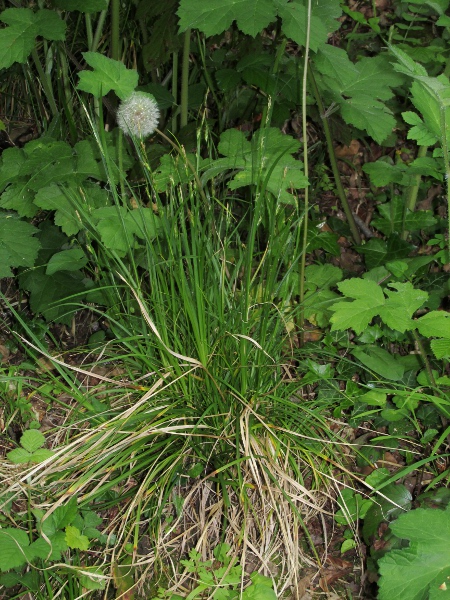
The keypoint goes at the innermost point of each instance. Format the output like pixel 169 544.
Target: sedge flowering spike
pixel 138 115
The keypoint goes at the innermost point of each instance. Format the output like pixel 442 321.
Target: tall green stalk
pixel 115 29
pixel 185 78
pixel 412 193
pixel 333 161
pixel 306 171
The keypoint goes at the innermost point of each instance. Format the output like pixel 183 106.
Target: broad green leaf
pixel 57 197
pixel 17 41
pixel 401 305
pixel 84 6
pixel 19 456
pixel 322 276
pixel 380 361
pixel 13 543
pixel 357 314
pixel 441 348
pixel 360 89
pixel 94 580
pixel 117 228
pixel 49 294
pixel 108 74
pixel 75 539
pixel 10 164
pixel 395 499
pixel 378 252
pixel 353 507
pixel 294 16
pixel 147 224
pixel 40 455
pixel 67 260
pixel 215 16
pixel 421 570
pixel 434 324
pixel 50 25
pixel 266 161
pixel 383 173
pixel 19 197
pixel 374 398
pixel 32 439
pixel 18 247
pixel 393 218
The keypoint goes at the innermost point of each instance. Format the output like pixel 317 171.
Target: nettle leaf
pixel 360 89
pixel 13 545
pixel 19 197
pixel 10 164
pixel 441 348
pixel 67 260
pixel 18 247
pixel 84 6
pixel 17 41
pixel 48 294
pixel 108 74
pixel 435 324
pixel 423 569
pixel 117 228
pixel 383 173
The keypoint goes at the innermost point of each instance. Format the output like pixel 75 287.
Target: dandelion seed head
pixel 138 115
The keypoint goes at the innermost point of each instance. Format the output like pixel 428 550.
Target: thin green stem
pixel 185 78
pixel 98 30
pixel 445 151
pixel 115 29
pixel 45 82
pixel 175 90
pixel 333 161
pixel 412 192
pixel 424 357
pixel 306 171
pixel 89 34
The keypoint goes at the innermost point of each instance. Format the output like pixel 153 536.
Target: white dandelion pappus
pixel 138 115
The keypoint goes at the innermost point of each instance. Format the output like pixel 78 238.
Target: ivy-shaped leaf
pixel 108 74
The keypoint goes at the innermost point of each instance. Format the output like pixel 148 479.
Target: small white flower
pixel 138 115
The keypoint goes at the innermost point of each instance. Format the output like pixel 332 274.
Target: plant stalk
pixel 333 161
pixel 185 78
pixel 413 190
